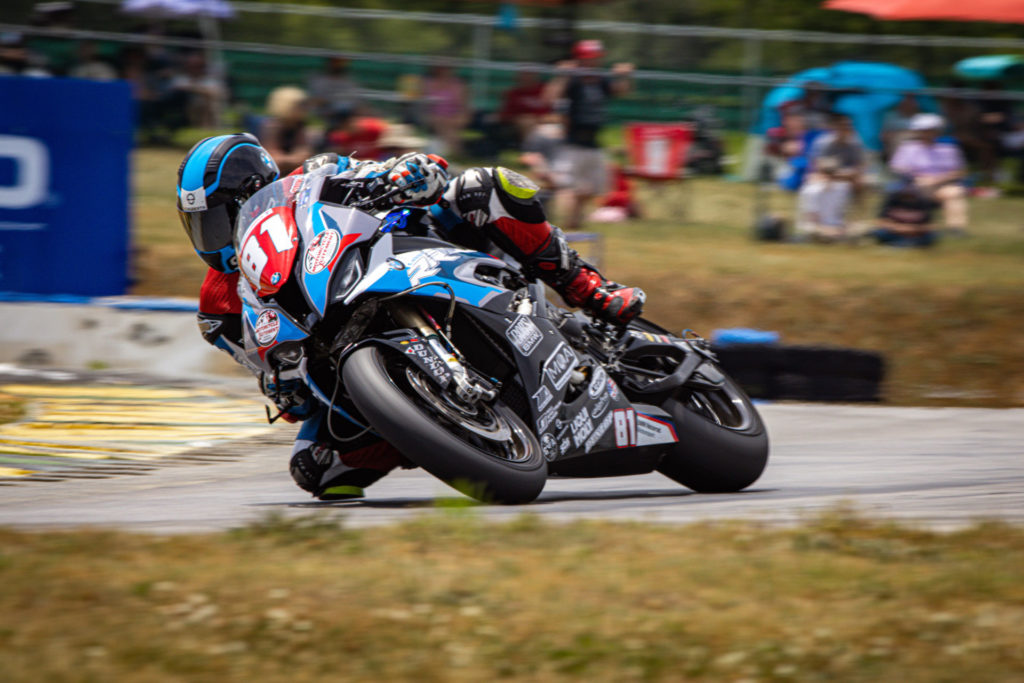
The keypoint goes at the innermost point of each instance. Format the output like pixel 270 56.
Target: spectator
pixel 357 136
pixel 905 219
pixel 896 124
pixel 791 143
pixel 581 166
pixel 447 108
pixel 204 92
pixel 963 123
pixel 524 104
pixel 540 151
pixel 333 94
pixel 17 59
pixel 836 164
pixel 935 168
pixel 284 133
pixel 816 105
pixel 90 67
pixel 399 139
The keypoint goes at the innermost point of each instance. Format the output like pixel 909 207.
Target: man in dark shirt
pixel 905 219
pixel 581 166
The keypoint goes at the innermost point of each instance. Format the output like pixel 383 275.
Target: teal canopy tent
pixel 990 67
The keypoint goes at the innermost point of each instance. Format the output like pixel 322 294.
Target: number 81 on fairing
pixel 624 422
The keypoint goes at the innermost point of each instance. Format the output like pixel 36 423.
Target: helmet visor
pixel 209 230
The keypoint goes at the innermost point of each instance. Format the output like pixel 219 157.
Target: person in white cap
pixel 936 168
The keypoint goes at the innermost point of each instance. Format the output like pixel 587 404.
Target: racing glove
pixel 421 177
pixel 289 394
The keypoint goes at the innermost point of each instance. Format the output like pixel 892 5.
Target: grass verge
pixel 451 598
pixel 947 319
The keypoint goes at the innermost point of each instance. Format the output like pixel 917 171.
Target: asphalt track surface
pixel 941 468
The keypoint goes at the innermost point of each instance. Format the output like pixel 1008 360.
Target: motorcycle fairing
pixel 389 273
pixel 601 418
pixel 328 231
pixel 267 249
pixel 266 326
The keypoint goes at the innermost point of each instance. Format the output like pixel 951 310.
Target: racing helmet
pixel 216 176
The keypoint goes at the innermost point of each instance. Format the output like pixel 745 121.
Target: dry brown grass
pixel 450 598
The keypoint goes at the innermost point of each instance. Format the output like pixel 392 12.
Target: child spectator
pixel 905 219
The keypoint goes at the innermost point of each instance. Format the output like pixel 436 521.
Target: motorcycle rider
pixel 478 206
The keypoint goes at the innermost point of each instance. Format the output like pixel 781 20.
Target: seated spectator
pixel 524 104
pixel 791 143
pixel 896 124
pixel 836 165
pixel 935 168
pixel 90 67
pixel 284 133
pixel 204 92
pixel 905 219
pixel 333 94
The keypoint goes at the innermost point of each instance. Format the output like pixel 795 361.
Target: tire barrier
pixel 804 373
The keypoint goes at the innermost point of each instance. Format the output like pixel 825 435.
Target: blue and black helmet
pixel 216 176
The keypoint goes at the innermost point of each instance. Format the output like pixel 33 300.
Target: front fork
pixel 466 388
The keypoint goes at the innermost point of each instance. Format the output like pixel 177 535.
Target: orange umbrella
pixel 1005 11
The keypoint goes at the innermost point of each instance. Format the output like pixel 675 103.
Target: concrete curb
pixel 156 336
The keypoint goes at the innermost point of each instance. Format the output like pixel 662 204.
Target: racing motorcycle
pixel 458 359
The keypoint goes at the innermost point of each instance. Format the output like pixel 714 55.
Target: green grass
pixel 948 320
pixel 451 598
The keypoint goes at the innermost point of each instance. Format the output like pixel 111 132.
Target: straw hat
pixel 282 101
pixel 400 136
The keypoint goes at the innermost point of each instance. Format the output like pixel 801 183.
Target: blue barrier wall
pixel 65 147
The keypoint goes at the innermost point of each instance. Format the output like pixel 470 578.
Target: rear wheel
pixel 723 445
pixel 484 450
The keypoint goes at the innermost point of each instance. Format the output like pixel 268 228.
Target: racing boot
pixel 580 285
pixel 329 475
pixel 608 300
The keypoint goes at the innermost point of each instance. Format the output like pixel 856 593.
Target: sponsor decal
pixel 563 446
pixel 613 389
pixel 598 409
pixel 304 197
pixel 597 382
pixel 395 264
pixel 582 425
pixel 558 366
pixel 193 200
pixel 652 430
pixel 599 432
pixel 425 264
pixel 549 444
pixel 546 418
pixel 436 366
pixel 524 335
pixel 625 427
pixel 542 397
pixel 321 251
pixel 267 327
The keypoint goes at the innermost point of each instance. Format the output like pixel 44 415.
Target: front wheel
pixel 723 444
pixel 485 450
